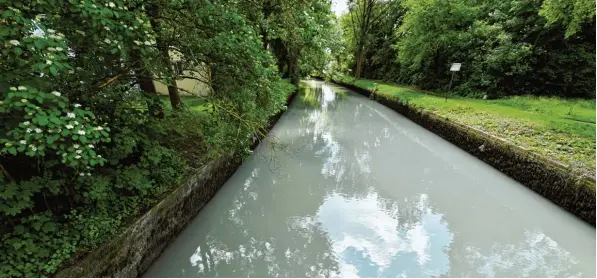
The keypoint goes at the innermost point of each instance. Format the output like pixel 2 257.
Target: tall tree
pixel 365 16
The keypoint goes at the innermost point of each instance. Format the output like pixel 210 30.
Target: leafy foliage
pixel 86 146
pixel 505 47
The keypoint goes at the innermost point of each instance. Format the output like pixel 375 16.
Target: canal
pixel 349 188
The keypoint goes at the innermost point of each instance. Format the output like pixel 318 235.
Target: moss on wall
pixel 133 251
pixel 556 182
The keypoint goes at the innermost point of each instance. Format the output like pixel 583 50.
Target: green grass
pixel 559 129
pixel 193 103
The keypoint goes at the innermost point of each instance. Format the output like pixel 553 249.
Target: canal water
pixel 349 188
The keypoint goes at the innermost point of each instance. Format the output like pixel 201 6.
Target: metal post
pixel 450 86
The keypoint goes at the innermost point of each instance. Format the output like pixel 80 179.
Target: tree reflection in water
pixel 340 207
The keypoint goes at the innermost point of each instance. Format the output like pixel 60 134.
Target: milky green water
pixel 354 189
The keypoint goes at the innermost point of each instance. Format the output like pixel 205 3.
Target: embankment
pixel 554 181
pixel 134 250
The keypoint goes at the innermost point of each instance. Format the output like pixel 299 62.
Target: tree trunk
pixel 153 13
pixel 359 62
pixel 357 73
pixel 293 70
pixel 144 78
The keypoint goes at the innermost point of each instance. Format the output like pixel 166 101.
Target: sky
pixel 339 6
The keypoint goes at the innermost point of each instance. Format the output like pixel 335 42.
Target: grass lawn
pixel 559 129
pixel 193 103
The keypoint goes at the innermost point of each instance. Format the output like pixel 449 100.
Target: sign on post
pixel 455 67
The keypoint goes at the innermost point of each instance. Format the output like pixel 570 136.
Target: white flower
pixel 94 6
pixel 28 131
pixel 14 42
pixel 51 31
pixel 81 174
pixel 137 42
pixel 81 132
pixel 147 43
pixel 112 5
pixel 51 49
pixel 23 142
pixel 107 28
pixel 38 130
pixel 56 93
pixel 88 174
pixel 22 88
pixel 98 128
pixel 77 157
pixel 60 35
pixel 79 151
pixel 107 41
pixel 51 131
pixel 70 115
pixel 26 123
pixel 76 122
pixel 88 167
pixel 71 72
pixel 24 101
pixel 59 49
pixel 69 126
pixel 76 105
pixel 90 146
pixel 32 147
pixel 99 156
pixel 49 62
pixel 13 89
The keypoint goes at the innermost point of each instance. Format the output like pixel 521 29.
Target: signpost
pixel 455 67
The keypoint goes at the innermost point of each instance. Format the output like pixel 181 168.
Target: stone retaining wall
pixel 132 252
pixel 554 181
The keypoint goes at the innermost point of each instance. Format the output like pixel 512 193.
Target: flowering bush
pixel 47 122
pixel 84 146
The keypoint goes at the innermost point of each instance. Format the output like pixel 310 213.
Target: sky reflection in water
pixel 359 191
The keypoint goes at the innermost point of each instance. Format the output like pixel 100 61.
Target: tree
pixel 296 32
pixel 365 16
pixel 80 153
pixel 572 14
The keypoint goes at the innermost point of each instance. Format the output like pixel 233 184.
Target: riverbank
pixel 560 130
pixel 348 176
pixel 560 183
pixel 130 252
